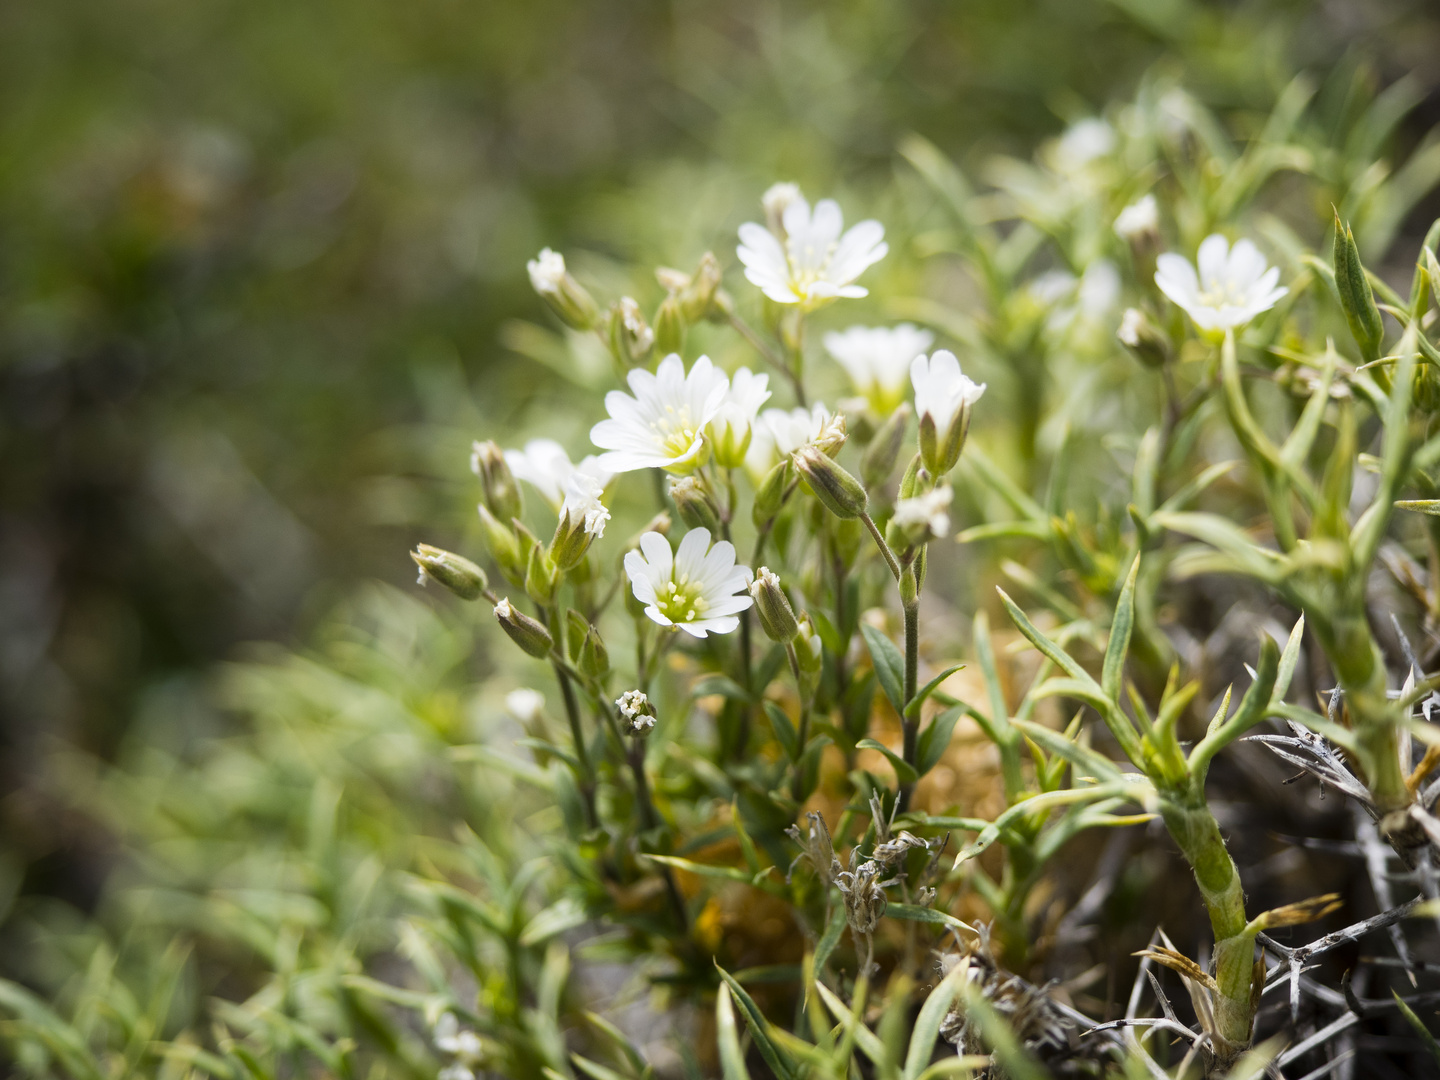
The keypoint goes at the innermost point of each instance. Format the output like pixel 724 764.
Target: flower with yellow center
pixel 803 258
pixel 1232 287
pixel 663 425
pixel 695 588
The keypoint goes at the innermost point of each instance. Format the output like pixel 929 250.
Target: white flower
pixel 775 201
pixel 547 272
pixel 926 514
pixel 582 503
pixel 455 1072
pixel 943 397
pixel 695 589
pixel 546 466
pixel 663 425
pixel 730 430
pixel 636 711
pixel 1232 287
pixel 877 359
pixel 525 704
pixel 1083 142
pixel 451 1038
pixel 778 433
pixel 810 263
pixel 1139 220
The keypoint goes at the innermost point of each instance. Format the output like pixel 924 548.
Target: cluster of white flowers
pixel 927 514
pixel 635 710
pixel 461 1044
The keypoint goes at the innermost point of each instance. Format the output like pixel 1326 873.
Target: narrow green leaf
pixel 784 730
pixel 869 1043
pixel 889 665
pixel 935 739
pixel 728 873
pixel 595 1069
pixel 903 770
pixel 1420 506
pixel 774 1056
pixel 1288 659
pixel 927 1024
pixel 912 711
pixel 1121 626
pixel 915 913
pixel 732 1058
pixel 1419 1026
pixel 565 914
pixel 1057 655
pixel 828 940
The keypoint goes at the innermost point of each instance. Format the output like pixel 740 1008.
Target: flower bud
pixel 566 296
pixel 542 577
pixel 697 298
pixel 730 434
pixel 694 504
pixel 669 336
pixel 880 456
pixel 502 492
pixel 594 658
pixel 841 493
pixel 1139 226
pixel 661 523
pixel 777 617
pixel 1355 296
pixel 831 436
pixel 629 337
pixel 770 495
pixel 530 634
pixel 637 715
pixel 582 520
pixel 503 547
pixel 775 200
pixel 808 655
pixel 457 573
pixel 1143 338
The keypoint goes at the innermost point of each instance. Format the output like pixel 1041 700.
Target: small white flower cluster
pixel 927 514
pixel 635 710
pixel 461 1044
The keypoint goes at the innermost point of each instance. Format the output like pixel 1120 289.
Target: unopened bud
pixel 530 634
pixel 661 523
pixel 1356 297
pixel 940 450
pixel 566 296
pixel 457 573
pixel 777 617
pixel 630 338
pixel 542 577
pixel 637 715
pixel 1143 338
pixel 697 298
pixel 497 482
pixel 808 649
pixel 770 495
pixel 694 504
pixel 503 547
pixel 594 659
pixel 880 456
pixel 669 336
pixel 775 200
pixel 1139 226
pixel 841 493
pixel 730 435
pixel 831 437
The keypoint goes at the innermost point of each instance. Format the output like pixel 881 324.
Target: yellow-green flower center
pixel 1222 293
pixel 681 601
pixel 676 431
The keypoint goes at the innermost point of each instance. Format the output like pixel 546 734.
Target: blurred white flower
pixel 455 1071
pixel 877 359
pixel 1051 287
pixel 925 515
pixel 809 262
pixel 462 1043
pixel 695 588
pixel 546 466
pixel 1083 142
pixel 663 425
pixel 1139 220
pixel 582 503
pixel 775 201
pixel 1232 287
pixel 730 430
pixel 943 398
pixel 778 433
pixel 524 704
pixel 547 272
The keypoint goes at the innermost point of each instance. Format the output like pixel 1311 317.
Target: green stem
pixel 910 727
pixel 587 771
pixel 879 538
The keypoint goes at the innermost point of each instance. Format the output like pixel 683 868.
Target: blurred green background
pixel 257 261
